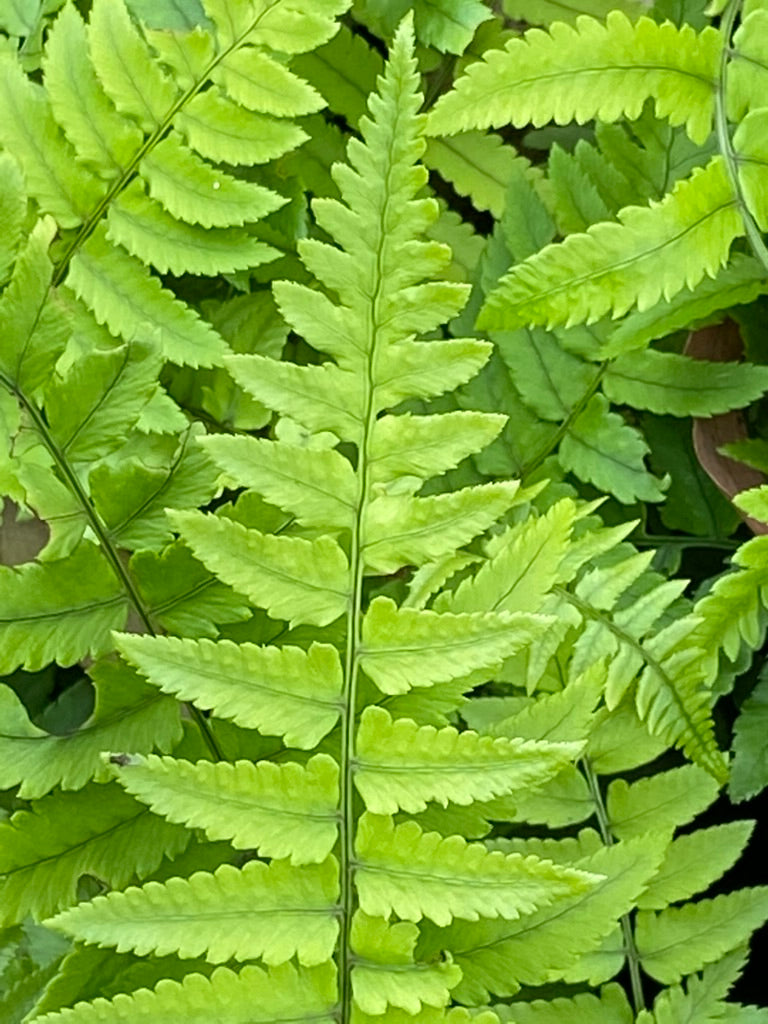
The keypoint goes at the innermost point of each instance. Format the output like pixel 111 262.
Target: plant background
pixel 479 179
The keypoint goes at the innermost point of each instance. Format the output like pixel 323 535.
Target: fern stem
pixel 575 411
pixel 105 541
pixel 724 142
pixel 630 946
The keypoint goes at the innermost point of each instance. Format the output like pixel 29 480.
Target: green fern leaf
pixel 542 12
pixel 551 380
pixel 284 810
pixel 497 957
pixel 416 874
pixel 602 449
pixel 694 862
pixel 271 911
pixel 609 1007
pixel 133 497
pixel 124 295
pixel 403 648
pixel 678 941
pixel 252 996
pixel 430 1015
pixel 446 25
pixel 752 155
pixel 671 699
pixel 118 50
pixel 430 528
pixel 576 199
pixel 478 165
pixel 738 283
pixel 35 332
pixel 344 71
pixel 126 711
pixel 659 802
pixel 402 765
pixel 670 384
pixel 281 691
pixel 551 76
pixel 304 580
pixel 221 131
pixel 58 611
pixel 258 82
pixel 182 596
pixel 60 186
pixel 149 232
pixel 192 191
pixel 316 486
pixel 319 397
pixel 99 830
pixel 12 211
pixel 385 974
pixel 747 74
pixel 99 135
pixel 613 267
pixel 523 567
pixel 426 446
pixel 112 387
pixel 703 999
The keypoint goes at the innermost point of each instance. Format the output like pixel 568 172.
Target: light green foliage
pixel 551 75
pixel 357 673
pixel 587 275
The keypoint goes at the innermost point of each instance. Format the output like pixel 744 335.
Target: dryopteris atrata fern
pixel 348 795
pixel 607 71
pixel 308 902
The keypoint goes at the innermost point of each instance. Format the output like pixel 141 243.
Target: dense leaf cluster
pixel 339 683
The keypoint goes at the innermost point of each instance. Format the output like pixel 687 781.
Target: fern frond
pixel 670 384
pixel 100 137
pixel 741 281
pixel 181 595
pixel 551 76
pixel 285 810
pixel 478 165
pixel 279 910
pixel 12 210
pixel 253 994
pixel 35 331
pixel 62 188
pixel 659 802
pixel 704 996
pixel 497 957
pixel 611 1005
pixel 414 874
pixel 401 766
pixel 694 862
pixel 615 266
pixel 403 648
pixel 58 611
pixel 316 486
pixel 303 580
pixel 680 940
pixel 602 448
pixel 122 292
pixel 521 570
pixel 282 691
pixel 118 49
pixel 99 830
pixel 752 154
